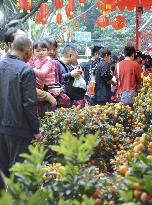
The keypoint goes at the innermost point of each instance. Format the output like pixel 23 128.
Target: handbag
pixel 62 100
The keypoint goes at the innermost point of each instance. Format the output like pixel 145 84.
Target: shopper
pixel 18 118
pixel 128 75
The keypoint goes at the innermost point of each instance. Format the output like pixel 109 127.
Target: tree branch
pixel 21 18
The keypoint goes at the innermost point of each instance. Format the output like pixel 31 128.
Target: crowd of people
pixel 34 80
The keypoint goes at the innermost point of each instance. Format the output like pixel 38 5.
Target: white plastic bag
pixel 79 82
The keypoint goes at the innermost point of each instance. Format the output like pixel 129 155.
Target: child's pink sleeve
pixel 44 70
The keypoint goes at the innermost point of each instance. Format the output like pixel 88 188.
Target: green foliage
pixel 86 201
pixel 25 182
pixel 76 150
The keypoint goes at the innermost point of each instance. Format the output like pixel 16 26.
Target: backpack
pixel 75 93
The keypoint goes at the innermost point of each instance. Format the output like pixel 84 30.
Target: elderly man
pixel 18 118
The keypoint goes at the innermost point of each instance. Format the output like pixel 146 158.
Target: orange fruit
pixel 123 169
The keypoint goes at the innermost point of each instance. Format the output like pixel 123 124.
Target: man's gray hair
pixel 68 50
pixel 21 43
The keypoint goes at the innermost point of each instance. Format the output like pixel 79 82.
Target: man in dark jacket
pixel 18 117
pixel 99 69
pixel 68 70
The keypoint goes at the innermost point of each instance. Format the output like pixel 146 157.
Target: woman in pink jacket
pixel 44 67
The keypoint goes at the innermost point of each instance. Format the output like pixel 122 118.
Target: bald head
pixel 21 43
pixel 22 46
pixel 68 50
pixel 70 54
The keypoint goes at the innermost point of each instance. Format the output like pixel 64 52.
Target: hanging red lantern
pixel 64 29
pixel 59 18
pixel 118 23
pixel 121 5
pixel 71 5
pixel 68 12
pixel 44 9
pixel 20 5
pixel 102 21
pixel 69 35
pixel 58 4
pixel 108 3
pixel 28 5
pixel 44 20
pixel 38 17
pixel 82 2
pixel 76 25
pixel 131 4
pixel 84 18
pixel 147 4
pixel 102 7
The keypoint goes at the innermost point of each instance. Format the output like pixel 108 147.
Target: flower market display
pixel 93 155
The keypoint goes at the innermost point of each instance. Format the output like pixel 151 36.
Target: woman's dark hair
pixel 121 58
pixel 9 35
pixel 104 52
pixel 129 50
pixel 138 54
pixel 95 50
pixel 42 43
pixel 52 42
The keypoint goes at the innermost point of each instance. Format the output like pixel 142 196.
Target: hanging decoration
pixel 58 4
pixel 38 19
pixel 102 7
pixel 108 3
pixel 68 12
pixel 42 14
pixel 59 18
pixel 118 23
pixel 44 9
pixel 28 5
pixel 64 29
pixel 69 35
pixel 102 21
pixel 24 4
pixel 84 18
pixel 71 5
pixel 76 25
pixel 82 2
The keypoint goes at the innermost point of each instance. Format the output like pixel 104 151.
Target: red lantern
pixel 147 4
pixel 131 4
pixel 82 2
pixel 102 7
pixel 20 5
pixel 38 17
pixel 108 3
pixel 59 18
pixel 69 35
pixel 44 9
pixel 118 23
pixel 68 12
pixel 121 5
pixel 84 18
pixel 102 21
pixel 76 25
pixel 44 20
pixel 64 29
pixel 58 4
pixel 28 5
pixel 71 4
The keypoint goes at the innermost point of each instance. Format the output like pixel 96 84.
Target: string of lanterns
pixel 105 6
